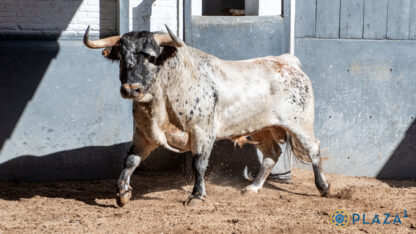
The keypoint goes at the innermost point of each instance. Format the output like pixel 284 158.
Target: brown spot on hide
pixel 242 140
pixel 278 134
pixel 277 66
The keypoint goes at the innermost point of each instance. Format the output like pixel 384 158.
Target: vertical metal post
pixel 123 16
pixel 180 18
pixel 292 26
pixel 187 21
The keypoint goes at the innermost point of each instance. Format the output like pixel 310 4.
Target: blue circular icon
pixel 339 218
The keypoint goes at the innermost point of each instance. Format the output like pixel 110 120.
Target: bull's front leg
pixel 202 143
pixel 131 162
pixel 139 151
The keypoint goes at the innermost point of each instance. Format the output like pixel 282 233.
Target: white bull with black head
pixel 185 99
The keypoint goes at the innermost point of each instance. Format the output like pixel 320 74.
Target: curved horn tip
pixel 168 29
pixel 101 43
pixel 86 36
pixel 176 39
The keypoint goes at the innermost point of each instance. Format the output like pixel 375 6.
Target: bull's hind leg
pixel 138 152
pixel 271 152
pixel 310 147
pixel 320 180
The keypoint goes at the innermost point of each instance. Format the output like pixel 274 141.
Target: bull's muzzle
pixel 131 91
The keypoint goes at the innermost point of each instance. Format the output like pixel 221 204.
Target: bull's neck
pixel 183 66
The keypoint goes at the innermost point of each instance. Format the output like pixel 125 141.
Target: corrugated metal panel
pixel 356 19
pixel 398 20
pixel 352 18
pixel 375 19
pixel 327 18
pixel 305 18
pixel 412 20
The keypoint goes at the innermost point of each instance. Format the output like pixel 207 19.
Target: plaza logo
pixel 340 218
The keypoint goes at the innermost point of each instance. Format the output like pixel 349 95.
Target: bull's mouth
pixel 133 95
pixel 136 96
pixel 131 92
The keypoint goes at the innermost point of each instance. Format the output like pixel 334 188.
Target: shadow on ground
pixel 402 163
pixel 162 171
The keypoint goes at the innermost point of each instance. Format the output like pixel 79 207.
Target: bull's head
pixel 141 55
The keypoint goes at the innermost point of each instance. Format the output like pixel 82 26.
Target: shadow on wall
pixel 28 44
pixel 108 18
pixel 141 15
pixel 103 162
pixel 92 162
pixel 402 163
pixel 22 68
pixel 21 71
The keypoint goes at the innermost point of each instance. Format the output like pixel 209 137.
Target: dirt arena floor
pixel 157 206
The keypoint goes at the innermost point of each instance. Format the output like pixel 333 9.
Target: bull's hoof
pixel 251 189
pixel 123 198
pixel 194 200
pixel 325 192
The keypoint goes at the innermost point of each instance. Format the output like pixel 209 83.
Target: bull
pixel 185 99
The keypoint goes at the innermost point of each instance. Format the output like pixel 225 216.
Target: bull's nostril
pixel 138 89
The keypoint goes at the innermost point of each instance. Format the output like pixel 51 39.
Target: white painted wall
pixel 152 15
pixel 68 17
pixel 263 7
pixel 196 7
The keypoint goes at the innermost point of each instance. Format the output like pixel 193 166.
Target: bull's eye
pixel 151 58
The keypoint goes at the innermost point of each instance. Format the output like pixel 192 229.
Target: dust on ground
pixel 157 206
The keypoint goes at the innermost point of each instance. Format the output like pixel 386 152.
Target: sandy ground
pixel 157 206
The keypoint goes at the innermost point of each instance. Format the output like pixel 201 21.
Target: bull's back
pixel 261 92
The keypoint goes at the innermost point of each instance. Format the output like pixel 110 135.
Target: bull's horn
pixel 102 43
pixel 168 40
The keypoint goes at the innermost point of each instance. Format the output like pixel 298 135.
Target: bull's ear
pixel 167 52
pixel 111 53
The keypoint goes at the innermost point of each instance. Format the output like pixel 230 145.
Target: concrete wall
pixel 360 56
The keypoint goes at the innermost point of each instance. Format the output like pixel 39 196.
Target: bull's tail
pixel 293 145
